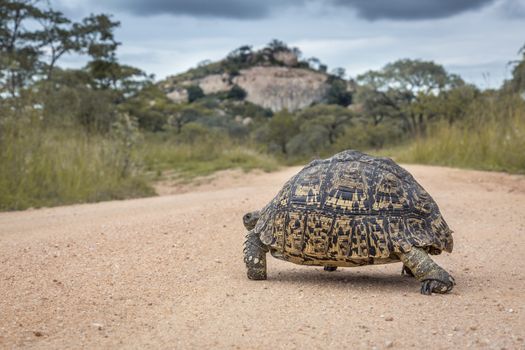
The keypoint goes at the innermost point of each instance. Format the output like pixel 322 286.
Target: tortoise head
pixel 250 219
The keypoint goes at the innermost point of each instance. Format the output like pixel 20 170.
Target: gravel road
pixel 167 272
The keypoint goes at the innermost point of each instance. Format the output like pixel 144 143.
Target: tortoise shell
pixel 352 209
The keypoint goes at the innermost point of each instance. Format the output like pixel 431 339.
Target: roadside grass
pixel 42 166
pixel 492 137
pixel 200 157
pixel 46 167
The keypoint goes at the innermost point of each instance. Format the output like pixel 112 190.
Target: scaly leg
pixel 255 256
pixel 433 278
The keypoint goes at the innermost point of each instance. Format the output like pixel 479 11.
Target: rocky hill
pixel 273 78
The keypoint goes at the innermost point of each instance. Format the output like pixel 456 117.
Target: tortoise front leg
pixel 433 278
pixel 255 256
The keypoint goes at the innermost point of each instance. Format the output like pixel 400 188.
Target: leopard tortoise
pixel 351 210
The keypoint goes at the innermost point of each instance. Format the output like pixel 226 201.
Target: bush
pixel 93 109
pixel 308 143
pixel 365 136
pixel 194 93
pixel 237 93
pixel 339 94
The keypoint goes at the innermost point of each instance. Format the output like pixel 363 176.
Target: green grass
pixel 202 157
pixel 491 138
pixel 47 166
pixel 42 167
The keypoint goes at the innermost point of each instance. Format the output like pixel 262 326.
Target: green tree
pixel 277 45
pixel 404 87
pixel 20 45
pixel 365 136
pixel 339 72
pixel 34 37
pixel 241 55
pixel 377 105
pixel 338 93
pixel 59 36
pixel 450 105
pixel 98 41
pixel 313 63
pixel 180 115
pixel 517 82
pixel 281 129
pixel 151 108
pixel 332 119
pixel 68 99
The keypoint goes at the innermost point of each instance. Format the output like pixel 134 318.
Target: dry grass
pixel 491 138
pixel 42 167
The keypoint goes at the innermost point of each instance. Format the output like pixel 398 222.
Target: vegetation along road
pixel 167 272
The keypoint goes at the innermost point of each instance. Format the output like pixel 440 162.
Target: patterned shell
pixel 352 209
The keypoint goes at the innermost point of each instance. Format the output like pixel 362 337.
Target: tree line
pixel 383 107
pixel 34 38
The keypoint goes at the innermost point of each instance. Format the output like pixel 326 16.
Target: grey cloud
pixel 256 9
pixel 513 8
pixel 199 8
pixel 411 9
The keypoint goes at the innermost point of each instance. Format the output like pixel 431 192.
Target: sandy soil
pixel 167 272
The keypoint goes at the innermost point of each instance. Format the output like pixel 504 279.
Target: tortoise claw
pixel 406 271
pixel 434 286
pixel 425 288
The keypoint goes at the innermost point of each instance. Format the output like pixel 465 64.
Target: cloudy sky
pixel 474 38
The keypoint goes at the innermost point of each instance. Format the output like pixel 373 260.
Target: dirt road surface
pixel 167 272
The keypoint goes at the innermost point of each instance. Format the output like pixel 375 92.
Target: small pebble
pixel 389 318
pixel 99 326
pixel 389 343
pixel 38 334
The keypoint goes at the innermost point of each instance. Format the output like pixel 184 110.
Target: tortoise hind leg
pixel 433 278
pixel 255 256
pixel 330 268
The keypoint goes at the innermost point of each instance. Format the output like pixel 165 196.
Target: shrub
pixel 237 93
pixel 194 93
